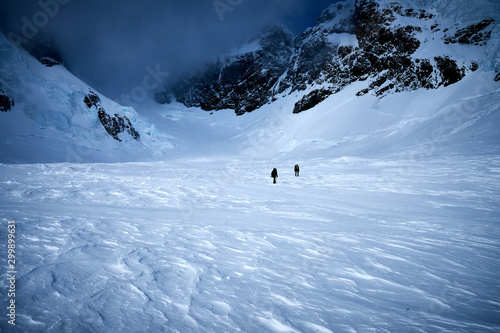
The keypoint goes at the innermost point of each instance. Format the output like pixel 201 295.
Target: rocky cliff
pixel 392 46
pixel 242 81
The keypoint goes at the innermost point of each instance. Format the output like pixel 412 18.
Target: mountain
pixel 391 46
pixel 244 81
pixel 392 225
pixel 47 114
pixel 374 76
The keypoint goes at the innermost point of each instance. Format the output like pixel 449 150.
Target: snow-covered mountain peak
pixel 276 35
pixel 338 17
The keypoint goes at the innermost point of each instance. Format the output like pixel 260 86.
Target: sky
pixel 117 45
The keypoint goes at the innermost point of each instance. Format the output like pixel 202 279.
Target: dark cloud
pixel 114 44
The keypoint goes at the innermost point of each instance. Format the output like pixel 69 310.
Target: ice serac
pixel 47 115
pixel 392 46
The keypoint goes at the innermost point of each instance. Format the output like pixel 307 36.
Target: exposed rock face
pixel 243 82
pixel 6 103
pixel 475 34
pixel 312 99
pixel 450 73
pixel 114 125
pixel 361 40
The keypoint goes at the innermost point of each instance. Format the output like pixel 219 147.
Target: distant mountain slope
pixel 393 46
pixel 50 115
pixel 375 77
pixel 243 81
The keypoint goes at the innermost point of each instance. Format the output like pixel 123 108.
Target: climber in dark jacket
pixel 274 174
pixel 297 170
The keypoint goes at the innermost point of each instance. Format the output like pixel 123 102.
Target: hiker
pixel 274 174
pixel 297 170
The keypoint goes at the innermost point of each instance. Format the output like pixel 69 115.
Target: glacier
pixel 392 226
pixel 352 245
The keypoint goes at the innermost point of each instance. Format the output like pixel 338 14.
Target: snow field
pixel 402 238
pixel 353 245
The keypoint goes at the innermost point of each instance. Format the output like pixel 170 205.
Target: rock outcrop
pixel 242 82
pixel 114 125
pixel 6 103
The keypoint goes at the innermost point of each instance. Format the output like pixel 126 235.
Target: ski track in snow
pixel 353 245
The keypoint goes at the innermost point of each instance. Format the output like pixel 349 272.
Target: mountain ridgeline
pixel 391 46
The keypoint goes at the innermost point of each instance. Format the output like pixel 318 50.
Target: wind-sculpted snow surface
pixel 352 245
